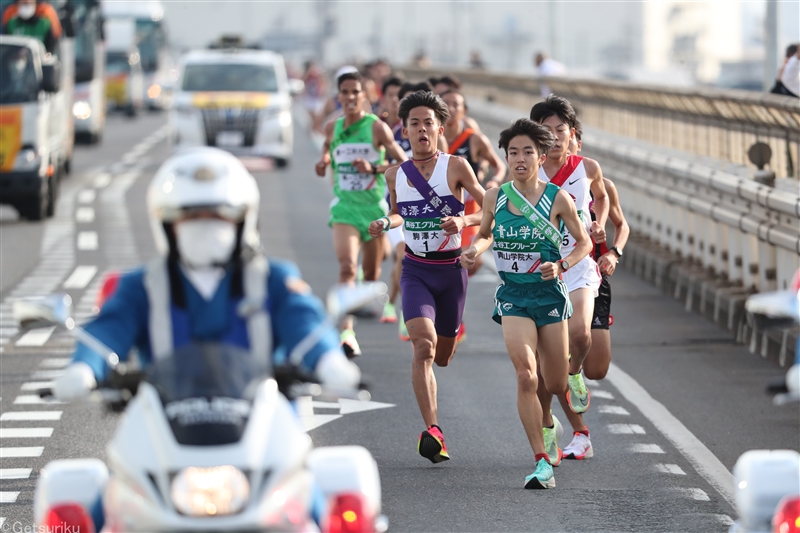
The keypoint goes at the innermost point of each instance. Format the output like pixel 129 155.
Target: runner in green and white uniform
pixel 532 303
pixel 356 146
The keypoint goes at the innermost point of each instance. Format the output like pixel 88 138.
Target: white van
pixel 235 99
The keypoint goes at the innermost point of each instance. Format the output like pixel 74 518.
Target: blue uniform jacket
pixel 294 312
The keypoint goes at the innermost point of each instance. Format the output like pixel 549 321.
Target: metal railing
pixel 717 123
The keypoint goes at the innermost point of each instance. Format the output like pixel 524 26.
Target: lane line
pixel 80 277
pixel 56 362
pixel 34 399
pixel 613 410
pixel 84 215
pixel 701 458
pixel 725 519
pixel 15 473
pixel 36 385
pixel 47 374
pixel 35 337
pixel 8 497
pixel 695 494
pixel 86 196
pixel 646 448
pixel 602 394
pixel 26 433
pixel 102 180
pixel 670 469
pixel 29 416
pixel 87 240
pixel 24 451
pixel 626 429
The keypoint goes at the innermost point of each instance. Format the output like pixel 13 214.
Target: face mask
pixel 205 242
pixel 26 11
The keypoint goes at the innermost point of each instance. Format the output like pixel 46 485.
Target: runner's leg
pixel 596 364
pixel 423 340
pixel 371 257
pixel 580 338
pixel 346 243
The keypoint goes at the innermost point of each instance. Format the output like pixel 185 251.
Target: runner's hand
pixel 321 166
pixel 363 166
pixel 491 184
pixel 452 225
pixel 608 263
pixel 597 233
pixel 376 228
pixel 549 270
pixel 468 257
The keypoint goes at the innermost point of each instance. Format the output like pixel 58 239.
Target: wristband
pixel 374 170
pixel 388 224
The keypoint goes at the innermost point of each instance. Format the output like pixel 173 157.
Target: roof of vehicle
pixel 19 40
pixel 232 55
pixel 152 9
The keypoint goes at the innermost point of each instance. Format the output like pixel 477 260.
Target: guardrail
pixel 718 123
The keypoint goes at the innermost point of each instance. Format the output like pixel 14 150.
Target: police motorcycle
pixel 208 441
pixel 767 482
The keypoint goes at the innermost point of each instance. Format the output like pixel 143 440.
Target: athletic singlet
pixel 461 148
pixel 519 248
pixel 404 143
pixel 572 178
pixel 348 144
pixel 421 224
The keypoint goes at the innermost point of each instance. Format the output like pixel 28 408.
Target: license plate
pixel 230 138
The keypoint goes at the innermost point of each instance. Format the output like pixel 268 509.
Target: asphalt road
pixel 681 403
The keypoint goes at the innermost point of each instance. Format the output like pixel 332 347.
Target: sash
pixel 566 170
pixel 347 131
pixel 542 225
pixel 425 190
pixel 461 139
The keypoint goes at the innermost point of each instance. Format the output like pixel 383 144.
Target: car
pixel 235 99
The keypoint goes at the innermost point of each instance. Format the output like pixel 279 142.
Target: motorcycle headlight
pixel 82 110
pixel 215 491
pixel 27 159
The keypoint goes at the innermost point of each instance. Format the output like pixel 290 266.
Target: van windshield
pixel 19 83
pixel 230 77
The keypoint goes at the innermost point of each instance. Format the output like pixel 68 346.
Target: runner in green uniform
pixel 356 146
pixel 532 303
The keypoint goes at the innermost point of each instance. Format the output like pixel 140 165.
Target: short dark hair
pixel 394 81
pixel 409 87
pixel 578 129
pixel 554 105
pixel 349 76
pixel 450 81
pixel 791 50
pixel 423 99
pixel 433 80
pixel 542 139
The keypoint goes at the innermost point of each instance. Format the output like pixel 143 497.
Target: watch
pixel 616 251
pixel 374 170
pixel 564 265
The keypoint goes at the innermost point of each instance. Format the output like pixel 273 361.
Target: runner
pixel 356 145
pixel 532 302
pixel 476 149
pixel 332 109
pixel 451 83
pixel 579 177
pixel 595 366
pixel 427 199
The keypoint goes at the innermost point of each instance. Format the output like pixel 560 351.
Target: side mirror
pixel 296 86
pixel 772 310
pixel 344 299
pixel 51 76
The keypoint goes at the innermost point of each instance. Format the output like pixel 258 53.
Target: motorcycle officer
pixel 211 282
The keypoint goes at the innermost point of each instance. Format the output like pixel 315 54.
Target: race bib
pixel 350 179
pixel 425 235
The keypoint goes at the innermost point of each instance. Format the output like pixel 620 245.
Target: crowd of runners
pixel 416 182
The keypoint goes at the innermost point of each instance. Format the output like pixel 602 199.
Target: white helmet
pixel 207 179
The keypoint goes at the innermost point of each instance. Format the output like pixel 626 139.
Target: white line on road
pixel 87 196
pixel 602 394
pixel 670 469
pixel 626 429
pixel 87 240
pixel 29 416
pixel 646 448
pixel 47 374
pixel 34 399
pixel 80 277
pixel 36 337
pixel 102 180
pixel 37 385
pixel 695 494
pixel 25 433
pixel 26 451
pixel 84 215
pixel 702 459
pixel 15 473
pixel 613 410
pixel 8 497
pixel 725 519
pixel 56 362
pixel 2 521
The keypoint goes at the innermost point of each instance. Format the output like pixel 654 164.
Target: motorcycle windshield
pixel 207 390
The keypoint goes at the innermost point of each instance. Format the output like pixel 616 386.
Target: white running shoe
pixel 580 448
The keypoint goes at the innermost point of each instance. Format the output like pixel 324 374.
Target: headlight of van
pixel 81 109
pixel 27 159
pixel 215 491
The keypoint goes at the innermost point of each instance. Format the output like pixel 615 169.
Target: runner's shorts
pixel 396 236
pixel 602 306
pixel 360 216
pixel 544 303
pixel 584 275
pixel 434 291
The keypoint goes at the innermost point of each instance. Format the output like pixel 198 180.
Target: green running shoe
pixel 404 336
pixel 578 396
pixel 542 477
pixel 551 436
pixel 350 344
pixel 389 313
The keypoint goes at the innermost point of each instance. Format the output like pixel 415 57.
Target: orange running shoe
pixel 431 445
pixel 462 334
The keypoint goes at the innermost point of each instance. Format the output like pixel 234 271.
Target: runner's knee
pixel 347 271
pixel 527 381
pixel 423 348
pixel 596 367
pixel 580 339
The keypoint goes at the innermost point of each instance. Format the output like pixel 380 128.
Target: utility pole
pixel 771 44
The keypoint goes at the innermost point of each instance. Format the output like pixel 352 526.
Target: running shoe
pixel 542 477
pixel 389 313
pixel 462 334
pixel 404 336
pixel 578 396
pixel 350 344
pixel 580 448
pixel 551 436
pixel 431 445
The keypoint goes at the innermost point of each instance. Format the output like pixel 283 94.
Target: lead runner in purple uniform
pixel 427 199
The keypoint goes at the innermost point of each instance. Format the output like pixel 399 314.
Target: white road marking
pixel 2 521
pixel 646 448
pixel 29 416
pixel 25 433
pixel 602 394
pixel 8 497
pixel 87 240
pixel 102 180
pixel 305 409
pixel 15 473
pixel 613 410
pixel 84 215
pixel 47 374
pixel 86 196
pixel 315 421
pixel 725 519
pixel 80 277
pixel 26 451
pixel 56 362
pixel 34 399
pixel 37 385
pixel 326 405
pixel 626 429
pixel 695 494
pixel 35 337
pixel 670 469
pixel 702 459
pixel 357 406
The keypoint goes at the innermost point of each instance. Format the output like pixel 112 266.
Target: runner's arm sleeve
pixel 119 325
pixel 299 322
